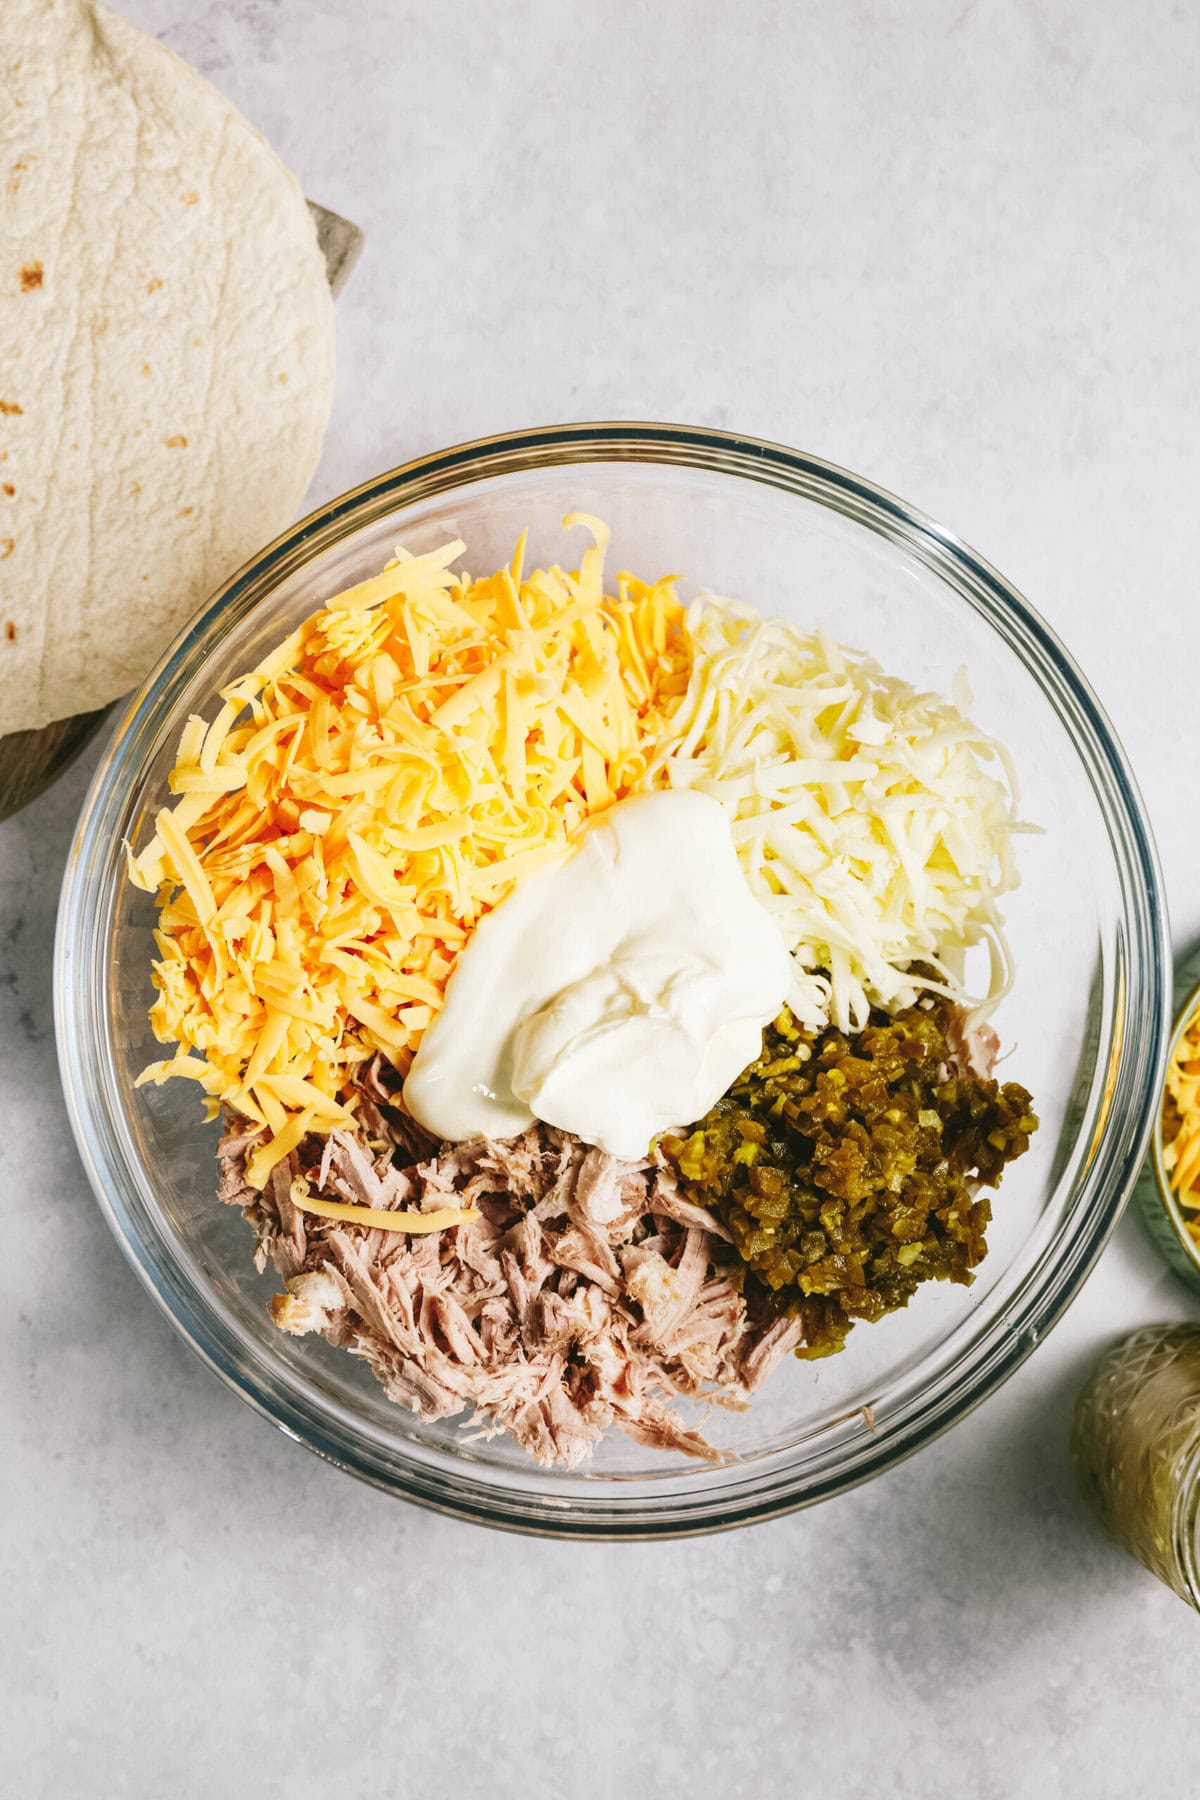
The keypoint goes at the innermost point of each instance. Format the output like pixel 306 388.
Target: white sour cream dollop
pixel 613 995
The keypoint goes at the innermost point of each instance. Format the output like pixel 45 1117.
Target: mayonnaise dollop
pixel 615 994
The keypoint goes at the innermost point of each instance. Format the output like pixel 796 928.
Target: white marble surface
pixel 954 246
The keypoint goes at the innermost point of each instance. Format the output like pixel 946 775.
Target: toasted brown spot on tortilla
pixel 185 512
pixel 178 442
pixel 31 277
pixel 282 379
pixel 7 546
pixel 10 631
pixel 190 198
pixel 18 169
pixel 135 488
pixel 10 406
pixel 6 487
pixel 153 285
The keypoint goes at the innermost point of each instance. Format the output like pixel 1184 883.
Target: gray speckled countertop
pixel 956 247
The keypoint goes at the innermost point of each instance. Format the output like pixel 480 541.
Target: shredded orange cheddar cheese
pixel 1181 1156
pixel 367 794
pixel 377 1218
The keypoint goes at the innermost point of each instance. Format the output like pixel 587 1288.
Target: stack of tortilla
pixel 166 352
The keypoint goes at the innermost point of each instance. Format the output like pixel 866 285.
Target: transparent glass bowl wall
pixel 1087 1018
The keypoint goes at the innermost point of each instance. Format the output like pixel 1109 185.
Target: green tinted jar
pixel 1136 1444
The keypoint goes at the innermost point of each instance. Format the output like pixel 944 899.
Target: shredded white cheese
pixel 873 822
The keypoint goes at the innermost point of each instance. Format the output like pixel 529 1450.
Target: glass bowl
pixel 1086 1022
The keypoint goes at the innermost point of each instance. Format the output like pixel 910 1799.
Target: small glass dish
pixel 1086 1021
pixel 1157 1200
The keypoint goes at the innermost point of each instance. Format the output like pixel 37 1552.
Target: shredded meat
pixel 975 1048
pixel 586 1294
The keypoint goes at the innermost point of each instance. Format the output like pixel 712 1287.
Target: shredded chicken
pixel 587 1293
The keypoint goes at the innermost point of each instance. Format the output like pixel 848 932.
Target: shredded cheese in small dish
pixel 1181 1116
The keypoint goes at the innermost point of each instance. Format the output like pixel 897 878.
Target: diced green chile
pixel 847 1169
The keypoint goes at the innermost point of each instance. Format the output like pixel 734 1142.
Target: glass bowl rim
pixel 1140 1028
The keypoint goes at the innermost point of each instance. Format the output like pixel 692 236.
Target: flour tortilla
pixel 166 352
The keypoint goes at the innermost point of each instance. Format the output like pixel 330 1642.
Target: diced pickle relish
pixel 847 1169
